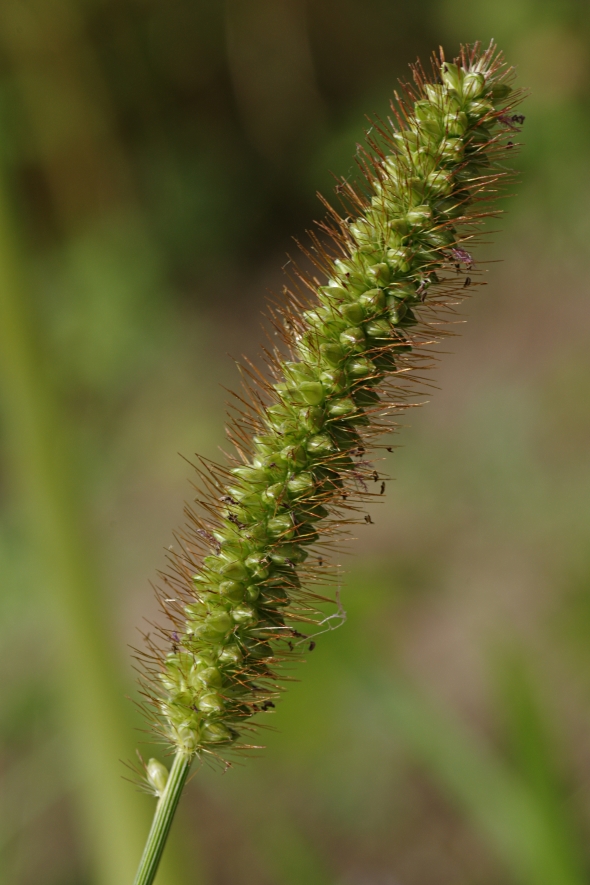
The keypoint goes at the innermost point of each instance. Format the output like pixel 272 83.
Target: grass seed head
pixel 356 332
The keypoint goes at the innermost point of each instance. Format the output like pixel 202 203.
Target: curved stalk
pixel 165 810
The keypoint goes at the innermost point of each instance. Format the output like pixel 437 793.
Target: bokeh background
pixel 156 157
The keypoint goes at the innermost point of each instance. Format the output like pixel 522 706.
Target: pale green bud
pixel 372 301
pixel 500 91
pixel 288 553
pixel 397 313
pixel 301 484
pixel 334 380
pixel 312 392
pixel 210 676
pixel 473 84
pixel 230 654
pixel 274 492
pixel 157 776
pixel 399 259
pixel 456 124
pixel 435 92
pixel 380 272
pixel 353 338
pixel 401 291
pixel 452 150
pixel 361 367
pixel 378 329
pixel 232 590
pixel 281 525
pixel 244 614
pixel 419 215
pixel 217 624
pixel 215 733
pixel 341 407
pixel 234 570
pixel 313 418
pixel 452 76
pixel 210 703
pixel 253 592
pixel 440 183
pixel 319 444
pixel 477 109
pixel 441 238
pixel 353 313
pixel 332 353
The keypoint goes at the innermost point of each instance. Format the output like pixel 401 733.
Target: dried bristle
pixel 240 590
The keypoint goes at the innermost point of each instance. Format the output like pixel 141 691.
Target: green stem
pixel 165 810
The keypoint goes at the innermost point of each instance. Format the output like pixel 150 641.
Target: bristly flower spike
pixel 240 593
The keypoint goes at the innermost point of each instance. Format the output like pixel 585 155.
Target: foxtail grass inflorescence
pixel 355 331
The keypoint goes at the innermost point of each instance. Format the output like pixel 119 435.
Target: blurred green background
pixel 156 156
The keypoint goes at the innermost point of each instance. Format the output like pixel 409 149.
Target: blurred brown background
pixel 157 156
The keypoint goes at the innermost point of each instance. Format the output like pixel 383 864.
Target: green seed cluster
pixel 247 596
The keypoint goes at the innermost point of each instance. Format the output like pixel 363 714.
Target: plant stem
pixel 165 810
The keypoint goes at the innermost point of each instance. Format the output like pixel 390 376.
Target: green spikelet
pixel 240 593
